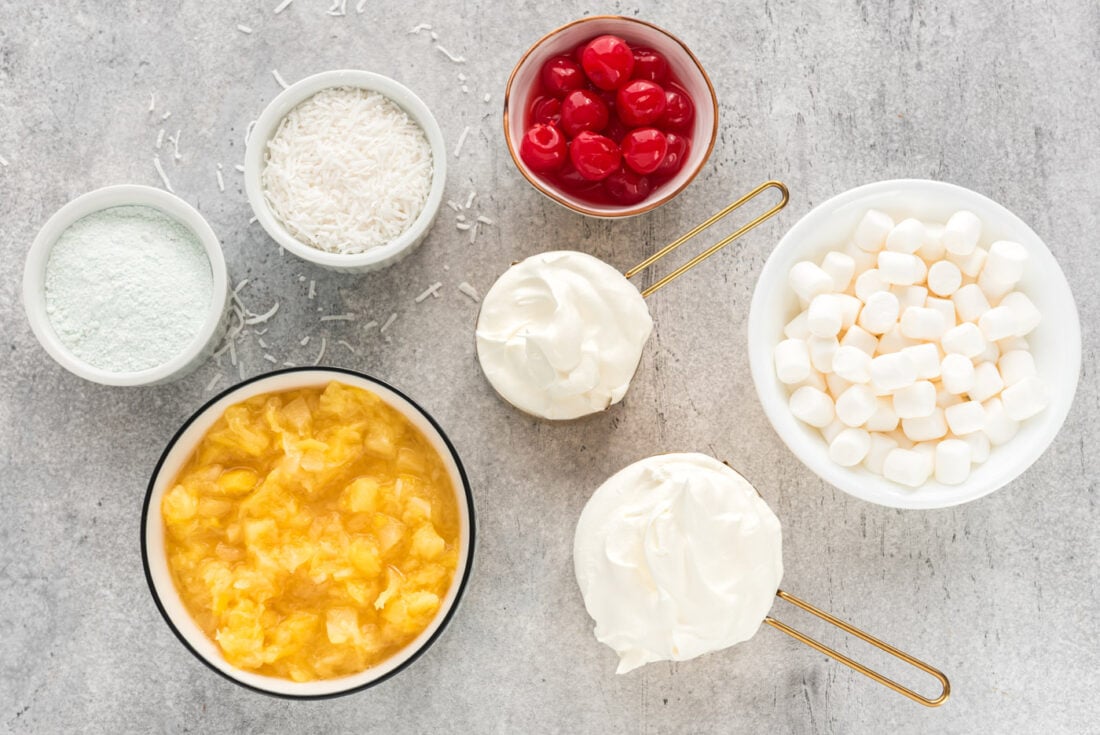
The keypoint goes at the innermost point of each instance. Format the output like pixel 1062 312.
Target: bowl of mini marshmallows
pixel 914 343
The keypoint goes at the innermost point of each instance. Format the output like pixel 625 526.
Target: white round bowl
pixel 1055 343
pixel 256 158
pixel 561 41
pixel 34 284
pixel 155 560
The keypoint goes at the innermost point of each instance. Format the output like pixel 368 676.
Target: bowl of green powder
pixel 127 285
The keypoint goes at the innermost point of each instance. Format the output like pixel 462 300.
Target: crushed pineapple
pixel 312 533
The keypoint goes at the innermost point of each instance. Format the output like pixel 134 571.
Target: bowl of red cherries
pixel 610 116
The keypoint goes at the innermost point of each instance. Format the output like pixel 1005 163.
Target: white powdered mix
pixel 127 288
pixel 347 170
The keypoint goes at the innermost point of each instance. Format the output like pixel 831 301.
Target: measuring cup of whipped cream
pixel 560 334
pixel 677 555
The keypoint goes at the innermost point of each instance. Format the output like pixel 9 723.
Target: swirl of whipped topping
pixel 676 556
pixel 560 334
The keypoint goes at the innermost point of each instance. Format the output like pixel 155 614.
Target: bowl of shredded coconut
pixel 346 169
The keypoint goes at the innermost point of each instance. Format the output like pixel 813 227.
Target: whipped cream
pixel 560 334
pixel 676 556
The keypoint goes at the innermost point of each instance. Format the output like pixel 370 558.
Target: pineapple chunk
pixel 361 496
pixel 426 543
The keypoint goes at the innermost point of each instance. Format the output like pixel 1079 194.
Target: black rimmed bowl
pixel 155 560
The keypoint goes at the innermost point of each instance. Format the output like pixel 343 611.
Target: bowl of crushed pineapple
pixel 308 533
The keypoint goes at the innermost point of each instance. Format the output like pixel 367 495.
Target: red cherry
pixel 678 149
pixel 560 75
pixel 543 149
pixel 640 102
pixel 583 110
pixel 679 110
pixel 570 178
pixel 615 129
pixel 650 65
pixel 594 155
pixel 644 149
pixel 626 187
pixel 545 111
pixel 608 61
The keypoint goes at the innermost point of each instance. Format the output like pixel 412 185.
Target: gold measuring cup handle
pixel 717 246
pixel 821 648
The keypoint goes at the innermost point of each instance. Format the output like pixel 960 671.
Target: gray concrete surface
pixel 1001 593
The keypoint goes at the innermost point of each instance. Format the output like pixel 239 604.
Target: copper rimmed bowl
pixel 523 83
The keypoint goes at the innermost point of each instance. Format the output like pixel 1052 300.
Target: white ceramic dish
pixel 1056 343
pixel 156 564
pixel 256 158
pixel 34 284
pixel 561 41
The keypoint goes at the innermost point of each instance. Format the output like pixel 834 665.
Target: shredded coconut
pixel 163 176
pixel 470 291
pixel 244 29
pixel 449 55
pixel 213 381
pixel 279 78
pixel 321 354
pixel 282 6
pixel 461 141
pixel 391 320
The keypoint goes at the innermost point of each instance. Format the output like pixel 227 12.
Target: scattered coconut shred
pixel 347 170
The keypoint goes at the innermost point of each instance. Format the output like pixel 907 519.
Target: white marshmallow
pixel 987 382
pixel 855 405
pixel 902 440
pixel 792 361
pixel 849 309
pixel 825 317
pixel 991 353
pixel 1026 398
pixel 872 230
pixel 840 267
pixel 915 401
pixel 904 269
pixel 994 288
pixel 1000 322
pixel 945 400
pixel 921 323
pixel 979 446
pixel 952 462
pixel 965 418
pixel 932 248
pixel 1012 344
pixel 957 373
pixel 962 232
pixel 925 428
pixel 909 296
pixel 862 259
pixel 999 426
pixel 907 467
pixel 796 328
pixel 808 280
pixel 1027 316
pixel 945 307
pixel 970 302
pixel 812 406
pixel 860 338
pixel 944 278
pixel 892 372
pixel 850 447
pixel 880 312
pixel 822 350
pixel 926 359
pixel 831 431
pixel 815 380
pixel 876 455
pixel 970 265
pixel 836 385
pixel 928 449
pixel 852 364
pixel 1016 365
pixel 965 339
pixel 885 418
pixel 894 341
pixel 870 282
pixel 1006 261
pixel 906 237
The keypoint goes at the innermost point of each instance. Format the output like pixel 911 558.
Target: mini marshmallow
pixel 932 248
pixel 970 265
pixel 1016 365
pixel 979 446
pixel 831 431
pixel 880 312
pixel 994 288
pixel 965 339
pixel 836 385
pixel 987 382
pixel 961 233
pixel 852 364
pixel 928 449
pixel 991 353
pixel 944 278
pixel 906 237
pixel 840 267
pixel 1006 261
pixel 1026 398
pixel 821 351
pixel 957 372
pixel 926 359
pixel 796 328
pixel 965 418
pixel 952 462
pixel 870 282
pixel 893 371
pixel 1012 344
pixel 792 361
pixel 872 230
pixel 812 406
pixel 885 418
pixel 815 380
pixel 999 426
pixel 860 338
pixel 945 307
pixel 902 440
pixel 970 302
pixel 808 280
pixel 825 316
pixel 925 428
pixel 909 296
pixel 876 455
pixel 1027 316
pixel 904 269
pixel 915 401
pixel 849 309
pixel 946 400
pixel 894 341
pixel 850 447
pixel 998 323
pixel 862 259
pixel 921 323
pixel 855 405
pixel 907 467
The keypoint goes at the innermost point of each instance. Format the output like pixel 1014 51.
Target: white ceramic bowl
pixel 34 284
pixel 561 41
pixel 268 123
pixel 1055 343
pixel 155 560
